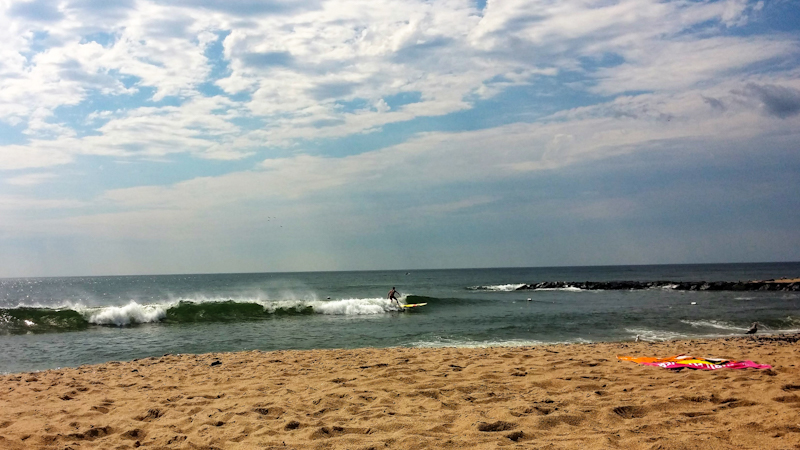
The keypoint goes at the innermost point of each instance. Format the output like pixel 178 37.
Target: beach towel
pixel 690 362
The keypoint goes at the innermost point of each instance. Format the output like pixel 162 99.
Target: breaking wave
pixel 24 320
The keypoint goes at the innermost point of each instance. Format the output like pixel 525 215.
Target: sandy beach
pixel 562 396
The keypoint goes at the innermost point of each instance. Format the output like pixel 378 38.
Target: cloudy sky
pixel 175 136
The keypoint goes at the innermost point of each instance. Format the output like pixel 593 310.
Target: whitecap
pixel 125 315
pixel 564 289
pixel 354 306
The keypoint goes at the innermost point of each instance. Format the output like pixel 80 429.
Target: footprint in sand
pixel 176 440
pixel 536 410
pixel 782 399
pixel 554 420
pixel 91 433
pixel 134 434
pixel 515 436
pixel 696 413
pixel 328 432
pixel 270 412
pixel 152 414
pixel 496 426
pixel 630 412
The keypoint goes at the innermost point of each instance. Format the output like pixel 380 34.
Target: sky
pixel 200 136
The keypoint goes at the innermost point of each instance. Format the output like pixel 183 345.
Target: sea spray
pixel 132 313
pixel 355 307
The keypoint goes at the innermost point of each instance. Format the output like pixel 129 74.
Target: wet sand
pixel 562 396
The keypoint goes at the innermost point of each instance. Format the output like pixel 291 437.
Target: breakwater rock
pixel 768 285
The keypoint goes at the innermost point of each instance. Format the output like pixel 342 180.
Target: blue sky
pixel 146 136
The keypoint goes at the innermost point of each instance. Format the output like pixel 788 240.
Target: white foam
pixel 714 324
pixel 502 287
pixel 128 314
pixel 564 289
pixel 793 320
pixel 134 312
pixel 271 307
pixel 725 329
pixel 337 307
pixel 354 306
pixel 655 335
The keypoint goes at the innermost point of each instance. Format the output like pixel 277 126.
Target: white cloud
pixel 27 204
pixel 625 125
pixel 37 154
pixel 202 127
pixel 679 65
pixel 300 62
pixel 31 179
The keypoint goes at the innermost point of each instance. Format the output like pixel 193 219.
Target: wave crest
pixel 38 320
pixel 132 313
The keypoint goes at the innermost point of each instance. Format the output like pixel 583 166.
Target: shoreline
pixel 762 335
pixel 562 396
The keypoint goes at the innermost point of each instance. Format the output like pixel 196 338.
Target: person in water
pixel 393 296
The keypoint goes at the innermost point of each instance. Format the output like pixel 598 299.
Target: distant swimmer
pixel 753 328
pixel 393 296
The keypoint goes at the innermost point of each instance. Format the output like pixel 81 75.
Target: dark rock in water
pixel 676 285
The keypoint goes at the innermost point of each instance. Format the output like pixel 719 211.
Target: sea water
pixel 66 322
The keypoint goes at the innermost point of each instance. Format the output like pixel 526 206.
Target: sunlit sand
pixel 562 396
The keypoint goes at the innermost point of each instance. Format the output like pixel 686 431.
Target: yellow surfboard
pixel 413 305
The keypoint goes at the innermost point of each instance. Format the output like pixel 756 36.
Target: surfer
pixel 393 296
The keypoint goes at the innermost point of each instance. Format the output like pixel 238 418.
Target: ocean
pixel 48 323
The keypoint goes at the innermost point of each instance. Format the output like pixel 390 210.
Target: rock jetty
pixel 767 285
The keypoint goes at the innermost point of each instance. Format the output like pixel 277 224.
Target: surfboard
pixel 413 305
